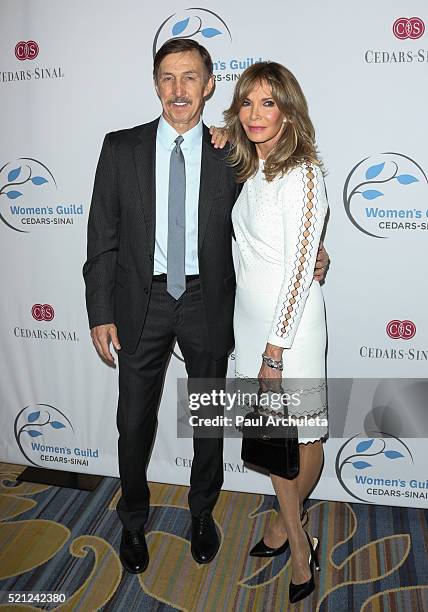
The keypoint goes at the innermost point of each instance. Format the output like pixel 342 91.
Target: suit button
pixel 146 290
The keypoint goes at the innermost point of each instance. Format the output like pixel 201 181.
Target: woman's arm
pixel 304 206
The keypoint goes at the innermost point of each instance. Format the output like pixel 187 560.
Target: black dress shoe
pixel 205 540
pixel 133 551
pixel 263 550
pixel 297 592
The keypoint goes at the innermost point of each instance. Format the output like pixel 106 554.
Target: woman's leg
pixel 290 504
pixel 311 460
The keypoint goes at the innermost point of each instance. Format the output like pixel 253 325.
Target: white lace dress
pixel 278 225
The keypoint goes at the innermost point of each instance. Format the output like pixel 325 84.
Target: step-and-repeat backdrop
pixel 72 71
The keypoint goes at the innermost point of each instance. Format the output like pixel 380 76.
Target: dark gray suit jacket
pixel 121 237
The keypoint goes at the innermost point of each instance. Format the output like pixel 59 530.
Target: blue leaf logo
pixel 180 26
pixel 210 32
pixel 360 465
pixel 33 433
pixel 12 195
pixel 392 454
pixel 371 194
pixel 364 445
pixel 406 179
pixel 38 180
pixel 57 425
pixel 33 416
pixel 13 174
pixel 374 171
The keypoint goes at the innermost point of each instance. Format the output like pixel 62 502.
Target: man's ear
pixel 209 87
pixel 156 87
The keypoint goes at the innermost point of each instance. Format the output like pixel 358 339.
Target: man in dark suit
pixel 160 269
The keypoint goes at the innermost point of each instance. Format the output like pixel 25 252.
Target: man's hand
pixel 101 336
pixel 218 137
pixel 321 264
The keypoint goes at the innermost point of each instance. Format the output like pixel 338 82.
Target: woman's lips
pixel 255 128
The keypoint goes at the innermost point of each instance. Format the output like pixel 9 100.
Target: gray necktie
pixel 176 276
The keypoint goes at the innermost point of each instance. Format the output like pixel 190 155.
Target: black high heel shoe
pixel 263 550
pixel 297 592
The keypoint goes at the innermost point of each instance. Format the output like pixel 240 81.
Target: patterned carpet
pixel 373 559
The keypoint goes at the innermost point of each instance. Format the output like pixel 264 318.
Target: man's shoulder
pixel 130 135
pixel 225 152
pixel 220 154
pixel 225 158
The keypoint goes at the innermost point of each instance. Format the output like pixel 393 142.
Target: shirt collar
pixel 167 135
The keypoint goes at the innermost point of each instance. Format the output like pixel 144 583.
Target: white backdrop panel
pixel 90 73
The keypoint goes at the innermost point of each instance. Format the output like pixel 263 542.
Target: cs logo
pixel 408 28
pixel 26 50
pixel 401 329
pixel 42 312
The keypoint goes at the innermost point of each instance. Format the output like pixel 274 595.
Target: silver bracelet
pixel 272 363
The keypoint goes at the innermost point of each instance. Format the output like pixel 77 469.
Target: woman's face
pixel 260 117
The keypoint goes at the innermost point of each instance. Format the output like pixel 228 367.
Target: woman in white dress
pixel 279 310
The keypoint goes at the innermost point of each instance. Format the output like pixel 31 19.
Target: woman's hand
pixel 321 264
pixel 218 137
pixel 270 379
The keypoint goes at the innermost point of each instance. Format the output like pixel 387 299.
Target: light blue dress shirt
pixel 192 151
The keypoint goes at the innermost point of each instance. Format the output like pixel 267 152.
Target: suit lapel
pixel 210 166
pixel 145 166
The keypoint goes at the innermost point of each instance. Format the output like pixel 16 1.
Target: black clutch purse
pixel 273 447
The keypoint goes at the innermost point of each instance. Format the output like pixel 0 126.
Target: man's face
pixel 182 86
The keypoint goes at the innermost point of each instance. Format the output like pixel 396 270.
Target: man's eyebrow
pixel 172 74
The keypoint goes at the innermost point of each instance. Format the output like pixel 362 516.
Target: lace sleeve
pixel 304 204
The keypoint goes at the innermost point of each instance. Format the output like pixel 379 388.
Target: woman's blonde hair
pixel 297 141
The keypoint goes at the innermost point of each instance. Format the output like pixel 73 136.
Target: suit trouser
pixel 140 383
